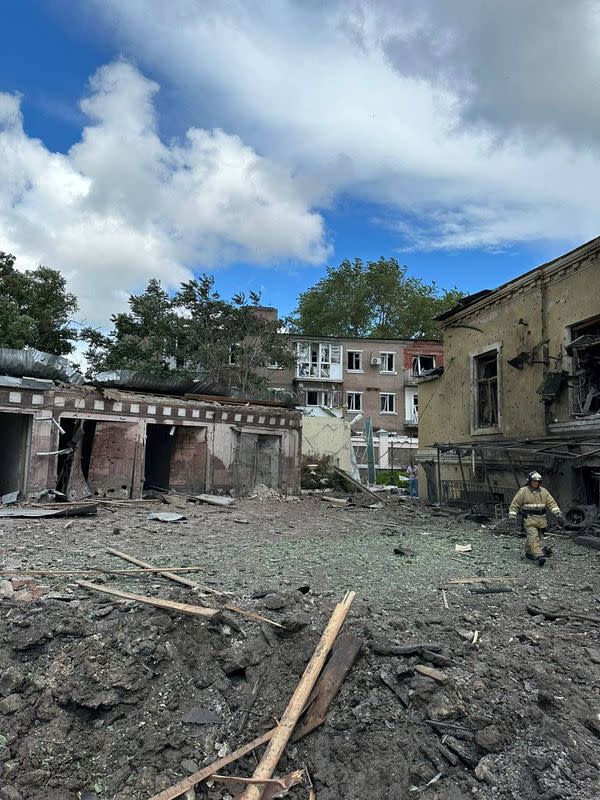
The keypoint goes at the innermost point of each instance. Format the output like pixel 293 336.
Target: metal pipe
pixel 462 472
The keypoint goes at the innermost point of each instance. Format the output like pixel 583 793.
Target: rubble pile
pixel 489 688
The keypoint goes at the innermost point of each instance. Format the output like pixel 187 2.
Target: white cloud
pixel 479 124
pixel 123 206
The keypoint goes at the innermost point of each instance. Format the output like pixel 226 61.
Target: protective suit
pixel 532 504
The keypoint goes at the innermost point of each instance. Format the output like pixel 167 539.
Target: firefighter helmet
pixel 534 476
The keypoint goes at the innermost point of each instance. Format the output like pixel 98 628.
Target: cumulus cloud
pixel 469 127
pixel 123 206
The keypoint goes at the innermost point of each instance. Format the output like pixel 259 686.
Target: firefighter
pixel 531 503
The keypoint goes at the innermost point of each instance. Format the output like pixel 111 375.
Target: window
pixel 354 361
pixel 584 350
pixel 421 364
pixel 319 360
pixel 388 362
pixel 486 390
pixel 411 406
pixel 388 403
pixel 354 401
pixel 319 397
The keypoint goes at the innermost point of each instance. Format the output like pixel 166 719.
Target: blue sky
pixel 263 141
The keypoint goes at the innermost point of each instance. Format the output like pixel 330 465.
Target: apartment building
pixel 367 377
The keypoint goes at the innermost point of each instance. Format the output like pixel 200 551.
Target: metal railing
pixel 470 493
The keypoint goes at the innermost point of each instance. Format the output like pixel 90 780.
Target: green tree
pixel 193 330
pixel 35 308
pixel 376 299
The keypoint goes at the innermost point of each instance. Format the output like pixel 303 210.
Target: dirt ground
pixel 97 696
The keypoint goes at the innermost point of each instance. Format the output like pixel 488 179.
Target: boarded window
pixel 486 378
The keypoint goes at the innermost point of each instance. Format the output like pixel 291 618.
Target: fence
pixel 459 493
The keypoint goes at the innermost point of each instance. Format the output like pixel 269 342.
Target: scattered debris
pixel 165 516
pixel 462 548
pixel 61 510
pixel 215 499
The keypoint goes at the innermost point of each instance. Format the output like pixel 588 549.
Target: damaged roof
pixel 571 255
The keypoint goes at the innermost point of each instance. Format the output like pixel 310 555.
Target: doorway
pixel 175 458
pixel 257 461
pixel 14 435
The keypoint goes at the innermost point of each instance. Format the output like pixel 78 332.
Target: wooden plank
pixel 430 672
pixel 140 571
pixel 355 483
pixel 330 680
pixel 158 602
pixel 202 590
pixel 299 698
pixel 166 574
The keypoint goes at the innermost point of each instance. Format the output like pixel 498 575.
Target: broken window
pixel 486 390
pixel 354 401
pixel 585 352
pixel 388 403
pixel 422 364
pixel 319 397
pixel 319 360
pixel 411 406
pixel 354 361
pixel 388 362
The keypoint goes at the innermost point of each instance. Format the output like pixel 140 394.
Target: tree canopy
pixel 194 329
pixel 35 308
pixel 376 298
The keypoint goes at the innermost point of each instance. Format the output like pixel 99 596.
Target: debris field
pixel 460 672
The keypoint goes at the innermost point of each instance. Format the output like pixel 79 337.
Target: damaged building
pixel 520 390
pixel 61 435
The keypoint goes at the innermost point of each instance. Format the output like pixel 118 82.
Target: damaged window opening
pixel 388 362
pixel 319 360
pixel 354 361
pixel 585 352
pixel 319 398
pixel 388 403
pixel 422 364
pixel 354 401
pixel 486 378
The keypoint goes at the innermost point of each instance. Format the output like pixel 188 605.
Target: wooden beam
pixel 166 574
pixel 299 698
pixel 158 602
pixel 339 665
pixel 202 590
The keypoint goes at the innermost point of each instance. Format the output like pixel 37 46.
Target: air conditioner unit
pixel 375 361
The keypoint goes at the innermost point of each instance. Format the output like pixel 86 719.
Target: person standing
pixel 532 503
pixel 413 480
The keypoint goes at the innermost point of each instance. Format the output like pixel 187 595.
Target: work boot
pixel 540 560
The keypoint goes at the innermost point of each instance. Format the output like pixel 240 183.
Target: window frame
pixel 358 353
pixel 381 403
pixel 384 354
pixel 411 394
pixel 477 429
pixel 320 360
pixel 355 395
pixel 417 357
